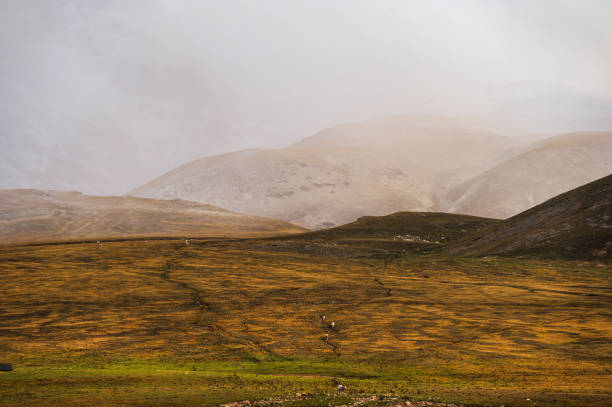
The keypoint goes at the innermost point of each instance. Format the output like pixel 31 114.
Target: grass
pixel 161 323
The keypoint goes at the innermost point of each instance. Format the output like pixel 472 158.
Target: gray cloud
pixel 102 96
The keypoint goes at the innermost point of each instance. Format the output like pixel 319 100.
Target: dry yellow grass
pixel 476 331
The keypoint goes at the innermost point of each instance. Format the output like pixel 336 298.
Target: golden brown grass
pixel 484 331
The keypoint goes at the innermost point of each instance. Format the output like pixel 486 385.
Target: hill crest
pixel 28 215
pixel 339 174
pixel 576 224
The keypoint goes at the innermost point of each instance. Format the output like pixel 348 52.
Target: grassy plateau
pixel 212 321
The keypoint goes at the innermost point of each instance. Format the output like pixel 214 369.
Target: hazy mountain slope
pixel 35 215
pixel 340 174
pixel 420 150
pixel 546 169
pixel 576 224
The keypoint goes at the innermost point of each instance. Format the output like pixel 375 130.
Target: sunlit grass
pixel 158 322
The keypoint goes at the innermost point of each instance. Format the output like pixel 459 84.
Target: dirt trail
pixel 380 283
pixel 326 327
pixel 197 298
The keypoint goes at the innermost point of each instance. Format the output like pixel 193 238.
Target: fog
pixel 102 96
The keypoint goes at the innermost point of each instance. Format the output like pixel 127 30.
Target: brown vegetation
pixel 460 330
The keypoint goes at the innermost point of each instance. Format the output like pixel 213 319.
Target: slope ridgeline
pixel 575 225
pixel 36 215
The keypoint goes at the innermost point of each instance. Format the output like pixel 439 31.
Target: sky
pixel 102 96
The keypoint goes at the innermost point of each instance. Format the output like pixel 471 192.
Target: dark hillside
pixel 390 235
pixel 408 226
pixel 573 225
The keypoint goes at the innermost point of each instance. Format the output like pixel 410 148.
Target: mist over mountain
pixel 535 109
pixel 103 96
pixel 543 170
pixel 248 203
pixel 339 174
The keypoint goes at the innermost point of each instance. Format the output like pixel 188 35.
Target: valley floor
pixel 161 322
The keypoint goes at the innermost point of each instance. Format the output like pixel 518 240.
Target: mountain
pixel 401 163
pixel 576 225
pixel 28 215
pixel 543 170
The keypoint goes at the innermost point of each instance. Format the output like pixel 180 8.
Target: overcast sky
pixel 102 96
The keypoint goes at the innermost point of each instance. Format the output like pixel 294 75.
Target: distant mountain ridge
pixel 541 171
pixel 28 215
pixel 399 163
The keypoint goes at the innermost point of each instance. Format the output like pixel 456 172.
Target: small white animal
pixel 323 317
pixel 341 388
pixel 333 324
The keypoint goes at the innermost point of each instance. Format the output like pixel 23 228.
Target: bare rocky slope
pixel 575 225
pixel 29 215
pixel 543 170
pixel 401 163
